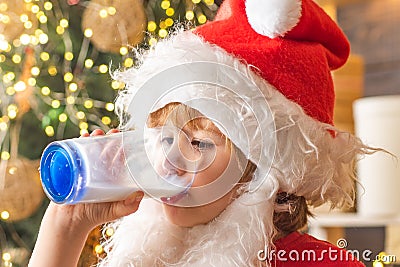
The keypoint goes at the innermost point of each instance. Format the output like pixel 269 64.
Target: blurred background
pixel 55 63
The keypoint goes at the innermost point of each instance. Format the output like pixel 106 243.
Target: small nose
pixel 178 154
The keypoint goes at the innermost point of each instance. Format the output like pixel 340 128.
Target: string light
pixel 165 4
pixel 80 115
pixel 106 120
pixel 62 117
pixel 16 59
pixel 48 5
pixel 123 51
pixel 88 32
pixel 162 33
pixel 69 56
pixel 45 90
pixel 189 15
pixel 6 256
pixel 128 62
pixel 109 106
pixel 20 86
pixel 73 87
pixel 103 68
pixel 64 23
pixel 55 103
pixel 111 10
pixel 88 104
pixel 169 22
pixel 88 63
pixel 5 215
pixel 44 56
pixel 5 156
pixel 98 249
pixel 170 12
pixel 151 26
pixel 68 77
pixel 52 70
pixel 110 231
pixel 35 71
pixel 103 13
pixel 49 130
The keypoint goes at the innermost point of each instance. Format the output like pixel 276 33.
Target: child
pixel 270 102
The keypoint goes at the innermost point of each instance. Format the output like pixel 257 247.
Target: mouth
pixel 174 199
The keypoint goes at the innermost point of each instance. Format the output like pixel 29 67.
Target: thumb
pixel 129 205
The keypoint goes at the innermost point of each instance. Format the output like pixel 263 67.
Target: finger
pixel 97 132
pixel 113 131
pixel 85 135
pixel 129 205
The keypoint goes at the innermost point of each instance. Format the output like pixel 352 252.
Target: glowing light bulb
pixel 123 50
pixel 23 18
pixel 35 9
pixel 88 32
pixel 189 15
pixel 48 5
pixel 80 115
pixel 128 62
pixel 35 71
pixel 64 23
pixel 110 231
pixel 169 22
pixel 60 30
pixel 70 100
pixel 165 4
pixel 6 256
pixel 98 249
pixel 5 156
pixel 103 68
pixel 88 63
pixel 103 13
pixel 151 26
pixel 88 104
pixel 25 39
pixel 3 126
pixel 83 125
pixel 16 58
pixel 55 103
pixel 202 19
pixel 43 38
pixel 106 120
pixel 170 12
pixel 68 77
pixel 49 130
pixel 69 56
pixel 111 10
pixel 73 87
pixel 109 106
pixel 20 86
pixel 45 90
pixel 162 33
pixel 63 117
pixel 52 70
pixel 44 56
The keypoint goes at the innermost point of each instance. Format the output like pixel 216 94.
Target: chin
pixel 180 216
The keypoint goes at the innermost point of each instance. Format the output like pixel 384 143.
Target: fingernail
pixel 139 196
pixel 135 197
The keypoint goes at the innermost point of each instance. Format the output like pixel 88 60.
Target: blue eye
pixel 202 145
pixel 168 140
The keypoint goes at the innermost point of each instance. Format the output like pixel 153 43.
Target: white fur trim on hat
pixel 273 18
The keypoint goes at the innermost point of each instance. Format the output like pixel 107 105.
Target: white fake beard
pixel 233 238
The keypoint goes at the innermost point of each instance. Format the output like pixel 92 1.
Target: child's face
pixel 205 140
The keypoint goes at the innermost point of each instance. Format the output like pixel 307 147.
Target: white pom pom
pixel 273 18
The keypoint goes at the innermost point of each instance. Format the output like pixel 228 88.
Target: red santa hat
pixel 293 44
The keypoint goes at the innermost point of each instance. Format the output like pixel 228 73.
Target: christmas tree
pixel 55 60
